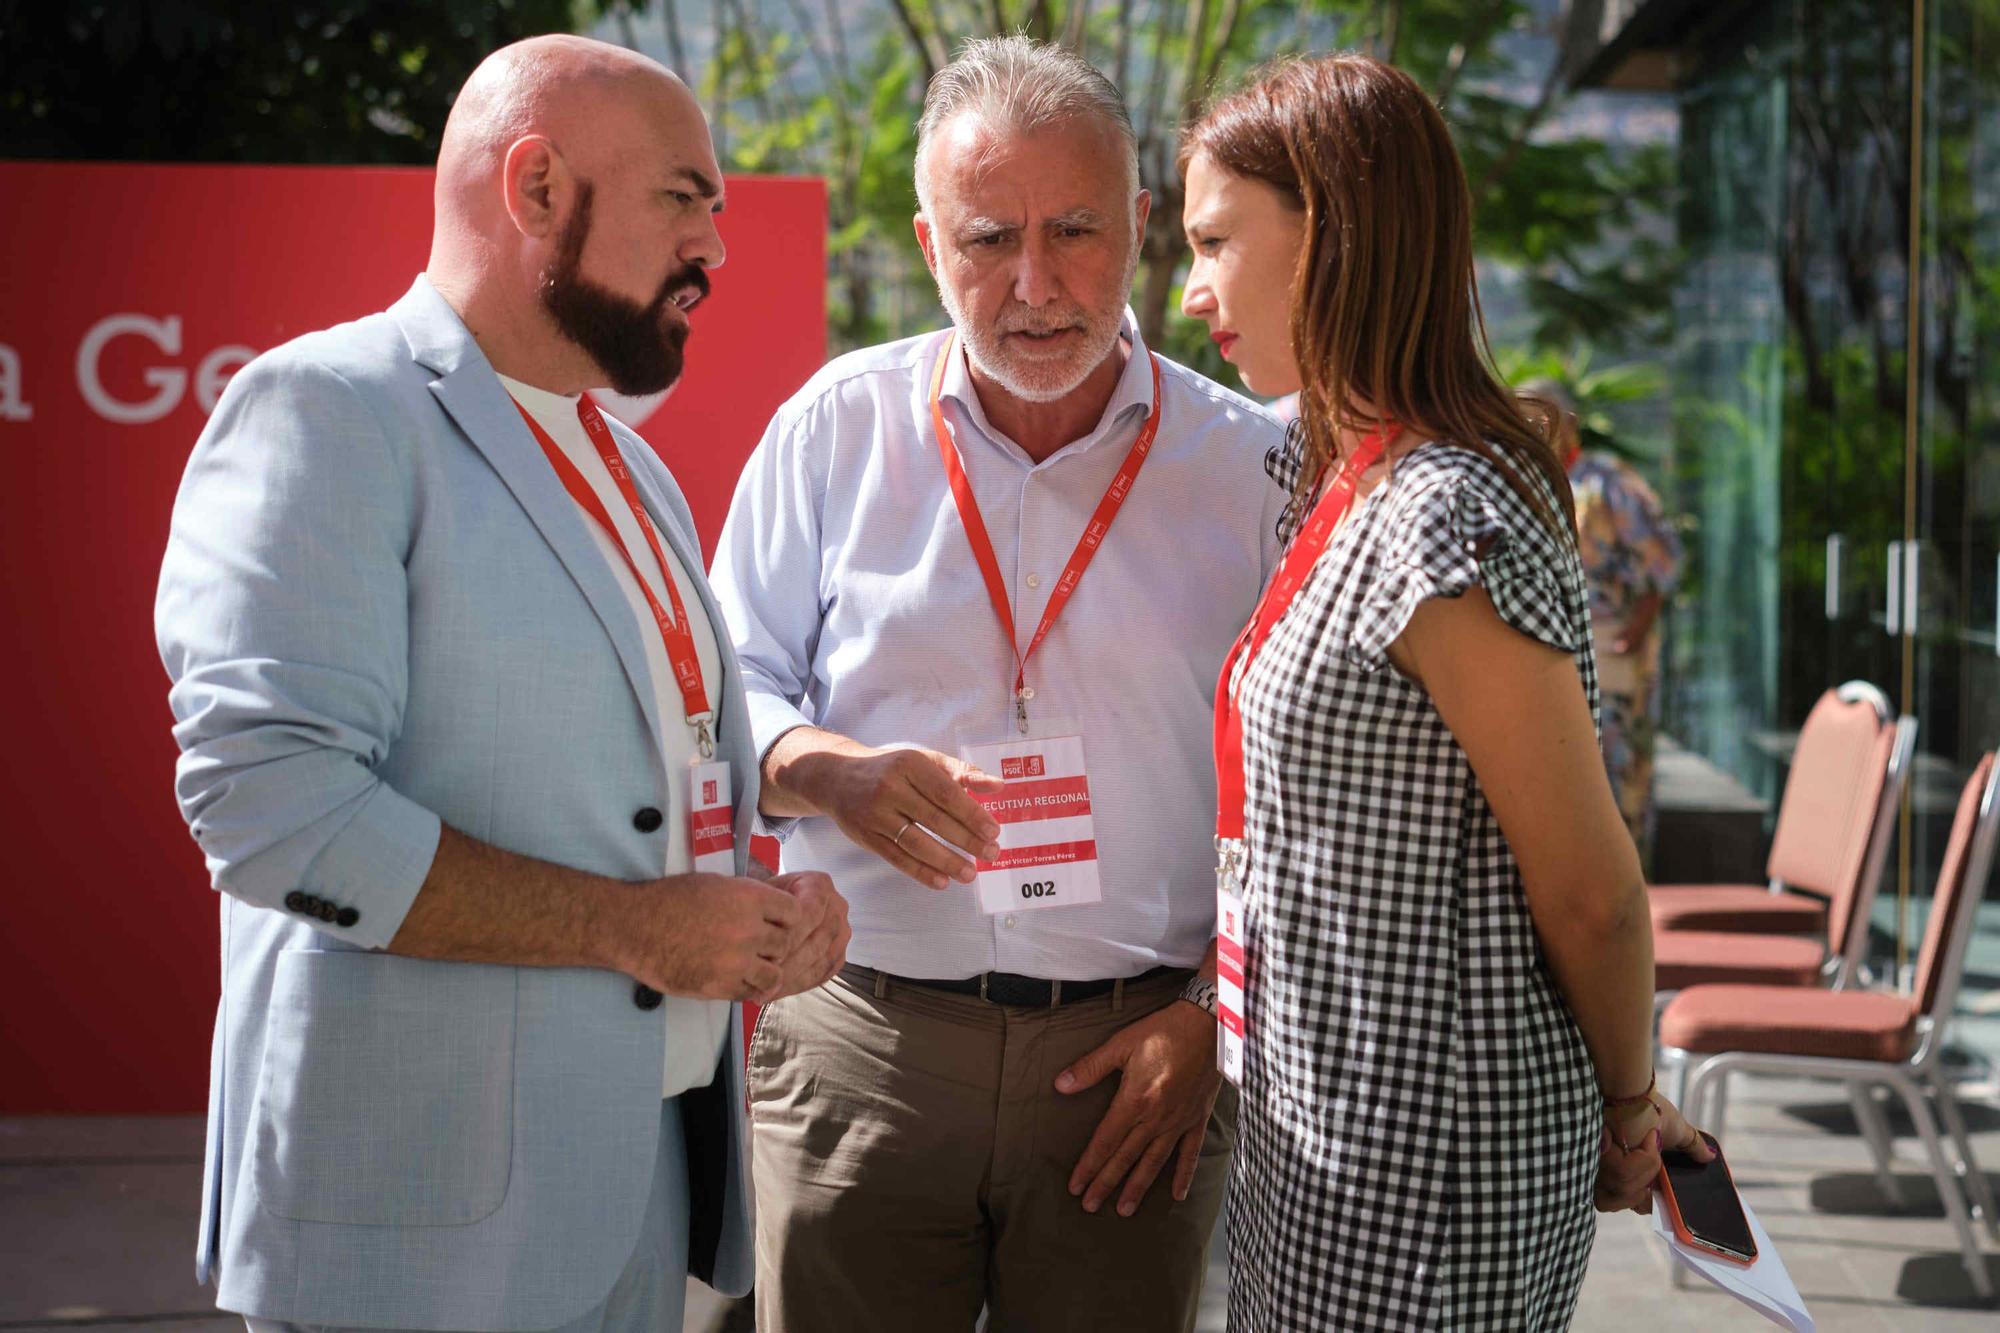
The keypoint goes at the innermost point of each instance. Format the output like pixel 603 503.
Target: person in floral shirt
pixel 1632 559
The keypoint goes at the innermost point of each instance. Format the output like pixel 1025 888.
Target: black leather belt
pixel 1006 987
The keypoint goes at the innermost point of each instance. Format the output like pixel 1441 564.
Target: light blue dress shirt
pixel 856 605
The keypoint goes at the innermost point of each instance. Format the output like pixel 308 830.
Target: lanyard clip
pixel 1021 697
pixel 704 739
pixel 1229 860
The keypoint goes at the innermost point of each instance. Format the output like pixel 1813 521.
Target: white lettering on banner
pixel 12 408
pixel 168 384
pixel 212 376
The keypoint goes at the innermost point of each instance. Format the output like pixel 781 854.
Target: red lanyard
pixel 982 545
pixel 1304 553
pixel 675 633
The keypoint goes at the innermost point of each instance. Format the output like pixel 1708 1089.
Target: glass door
pixel 1845 259
pixel 1951 579
pixel 1790 424
pixel 1729 369
pixel 1843 493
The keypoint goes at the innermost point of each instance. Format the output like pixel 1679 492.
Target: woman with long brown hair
pixel 1444 1030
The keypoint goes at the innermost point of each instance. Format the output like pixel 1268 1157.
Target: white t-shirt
pixel 695 1028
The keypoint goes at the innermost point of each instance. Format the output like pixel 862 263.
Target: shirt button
pixel 1010 923
pixel 1034 580
pixel 647 819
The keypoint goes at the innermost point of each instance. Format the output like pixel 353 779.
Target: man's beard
pixel 637 351
pixel 1041 382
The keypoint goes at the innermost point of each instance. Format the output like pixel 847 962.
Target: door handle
pixel 1912 554
pixel 1892 614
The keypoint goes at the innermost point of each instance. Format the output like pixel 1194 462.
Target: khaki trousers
pixel 912 1161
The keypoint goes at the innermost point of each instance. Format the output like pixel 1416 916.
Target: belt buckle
pixel 982 984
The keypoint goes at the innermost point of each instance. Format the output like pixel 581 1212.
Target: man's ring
pixel 898 839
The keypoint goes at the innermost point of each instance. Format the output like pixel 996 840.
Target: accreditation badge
pixel 1048 840
pixel 1231 983
pixel 711 818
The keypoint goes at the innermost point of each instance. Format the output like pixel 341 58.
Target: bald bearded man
pixel 463 744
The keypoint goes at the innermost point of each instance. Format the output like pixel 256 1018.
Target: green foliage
pixel 1605 398
pixel 832 88
pixel 223 81
pixel 836 93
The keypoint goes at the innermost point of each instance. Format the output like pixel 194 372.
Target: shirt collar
pixel 1131 396
pixel 542 402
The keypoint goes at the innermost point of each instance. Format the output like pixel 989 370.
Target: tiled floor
pixel 97 1229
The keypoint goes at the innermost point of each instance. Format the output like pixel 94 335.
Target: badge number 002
pixel 1048 840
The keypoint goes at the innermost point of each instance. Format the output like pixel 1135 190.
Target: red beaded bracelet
pixel 1613 1103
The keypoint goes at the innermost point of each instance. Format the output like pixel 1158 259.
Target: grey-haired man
pixel 981 583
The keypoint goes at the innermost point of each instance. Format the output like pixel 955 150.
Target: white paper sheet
pixel 1764 1286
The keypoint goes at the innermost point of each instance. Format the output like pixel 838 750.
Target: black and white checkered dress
pixel 1420 1121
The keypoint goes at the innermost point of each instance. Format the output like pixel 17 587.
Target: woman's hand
pixel 1629 1156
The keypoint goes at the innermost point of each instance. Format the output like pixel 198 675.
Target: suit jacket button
pixel 346 917
pixel 648 819
pixel 646 997
pixel 327 912
pixel 295 901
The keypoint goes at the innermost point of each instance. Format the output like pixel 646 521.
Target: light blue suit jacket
pixel 380 610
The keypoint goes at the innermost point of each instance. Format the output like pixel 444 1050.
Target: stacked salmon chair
pixel 1865 1039
pixel 1835 827
pixel 1827 853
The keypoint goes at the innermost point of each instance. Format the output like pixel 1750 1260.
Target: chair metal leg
pixel 1716 1105
pixel 1875 1129
pixel 1683 1063
pixel 1947 1182
pixel 1976 1184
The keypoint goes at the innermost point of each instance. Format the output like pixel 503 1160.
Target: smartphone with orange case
pixel 1703 1206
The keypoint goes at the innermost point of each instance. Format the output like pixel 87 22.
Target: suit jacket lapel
pixel 479 403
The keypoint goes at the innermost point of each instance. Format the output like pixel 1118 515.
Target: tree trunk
pixel 1160 257
pixel 670 19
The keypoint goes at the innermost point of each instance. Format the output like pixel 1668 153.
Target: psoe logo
pixel 709 795
pixel 1023 766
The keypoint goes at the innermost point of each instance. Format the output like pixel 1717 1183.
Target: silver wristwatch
pixel 1200 992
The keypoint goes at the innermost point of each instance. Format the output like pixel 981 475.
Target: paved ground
pixel 97 1228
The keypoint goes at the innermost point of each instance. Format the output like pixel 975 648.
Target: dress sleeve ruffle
pixel 1282 464
pixel 1458 532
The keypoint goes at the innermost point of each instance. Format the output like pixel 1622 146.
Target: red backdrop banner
pixel 128 296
